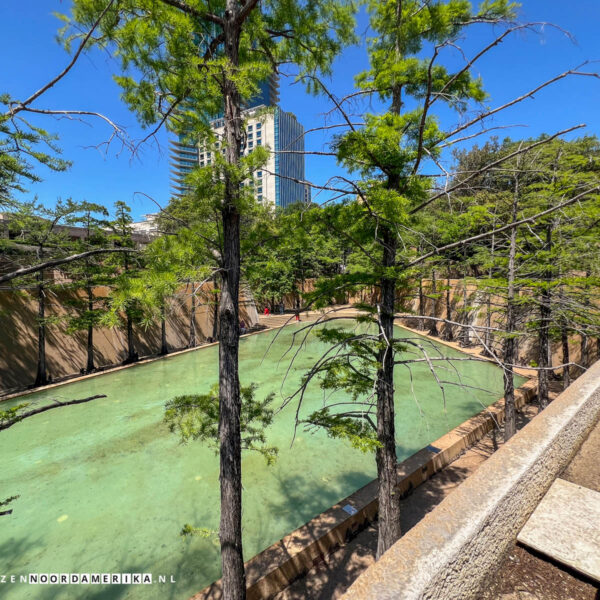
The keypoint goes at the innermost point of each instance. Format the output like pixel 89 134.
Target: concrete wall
pixel 66 354
pixel 455 549
pixel 527 350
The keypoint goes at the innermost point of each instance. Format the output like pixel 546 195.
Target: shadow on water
pixel 13 549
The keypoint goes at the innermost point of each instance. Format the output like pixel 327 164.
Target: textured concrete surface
pixel 453 551
pixel 530 574
pixel 330 579
pixel 584 469
pixel 566 527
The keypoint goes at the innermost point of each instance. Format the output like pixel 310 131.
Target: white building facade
pixel 280 182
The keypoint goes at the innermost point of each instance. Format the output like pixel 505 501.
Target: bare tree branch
pixel 10 422
pixel 59 261
pixel 20 106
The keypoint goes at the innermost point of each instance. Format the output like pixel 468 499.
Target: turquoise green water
pixel 105 488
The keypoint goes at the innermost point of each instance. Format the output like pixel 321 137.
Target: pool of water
pixel 106 488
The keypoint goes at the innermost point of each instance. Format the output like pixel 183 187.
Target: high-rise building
pixel 280 182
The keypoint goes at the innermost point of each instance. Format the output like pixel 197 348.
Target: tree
pixel 392 154
pixel 39 228
pixel 546 288
pixel 201 60
pixel 87 275
pixel 121 236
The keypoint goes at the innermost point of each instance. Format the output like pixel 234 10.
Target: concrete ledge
pixel 294 555
pixel 452 552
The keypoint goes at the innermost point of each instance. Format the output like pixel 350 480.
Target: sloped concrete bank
pixel 457 547
pixel 293 556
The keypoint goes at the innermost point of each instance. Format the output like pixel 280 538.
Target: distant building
pixel 307 194
pixel 184 153
pixel 148 227
pixel 280 182
pixel 141 235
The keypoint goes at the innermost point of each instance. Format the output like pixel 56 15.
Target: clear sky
pixel 30 56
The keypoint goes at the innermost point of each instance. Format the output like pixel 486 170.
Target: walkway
pixel 330 579
pixel 526 575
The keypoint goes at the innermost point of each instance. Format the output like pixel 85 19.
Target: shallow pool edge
pixel 279 565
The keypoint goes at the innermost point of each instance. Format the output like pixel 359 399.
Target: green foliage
pixel 357 431
pixel 181 56
pixel 196 417
pixel 201 532
pixel 284 249
pixel 12 415
pixel 389 222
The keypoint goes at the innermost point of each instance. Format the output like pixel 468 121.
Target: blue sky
pixel 31 56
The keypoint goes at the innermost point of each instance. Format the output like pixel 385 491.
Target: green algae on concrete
pixel 105 488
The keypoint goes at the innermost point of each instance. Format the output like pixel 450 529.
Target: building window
pixel 250 136
pixel 249 127
pixel 258 134
pixel 259 190
pixel 259 174
pixel 259 142
pixel 259 198
pixel 259 126
pixel 201 163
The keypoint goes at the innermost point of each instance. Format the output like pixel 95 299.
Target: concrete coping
pixel 457 547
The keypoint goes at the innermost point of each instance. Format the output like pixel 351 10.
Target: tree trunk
pixel 488 337
pixel 131 353
pixel 447 333
pixel 510 421
pixel 433 330
pixel 389 502
pixel 215 323
pixel 164 348
pixel 465 338
pixel 41 377
pixel 89 368
pixel 543 341
pixel 584 351
pixel 230 442
pixel 544 331
pixel 421 322
pixel 564 338
pixel 192 343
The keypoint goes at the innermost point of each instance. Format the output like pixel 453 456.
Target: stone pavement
pixel 528 575
pixel 566 527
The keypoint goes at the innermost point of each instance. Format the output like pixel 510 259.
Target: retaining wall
pixel 456 548
pixel 66 353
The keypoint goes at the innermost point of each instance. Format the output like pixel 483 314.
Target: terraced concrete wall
pixel 453 551
pixel 66 354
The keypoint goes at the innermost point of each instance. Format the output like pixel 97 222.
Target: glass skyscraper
pixel 280 182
